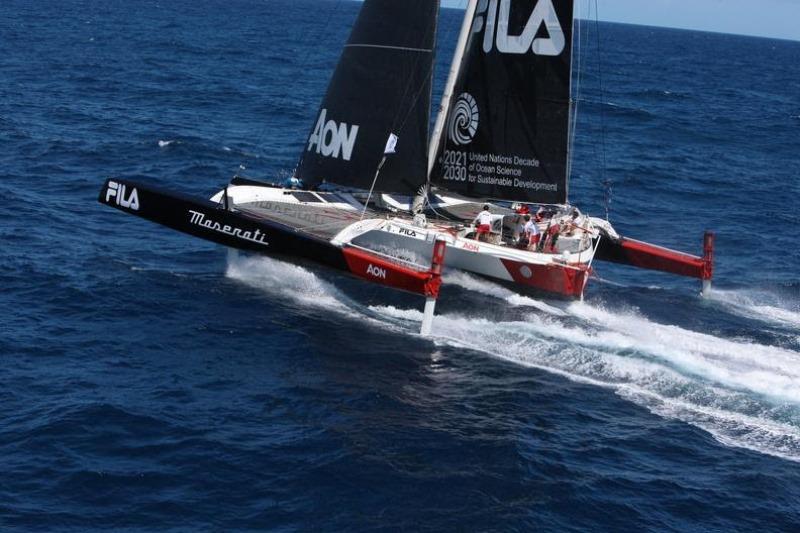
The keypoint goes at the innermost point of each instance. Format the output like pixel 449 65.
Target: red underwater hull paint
pixel 384 272
pixel 640 254
pixel 643 255
pixel 553 278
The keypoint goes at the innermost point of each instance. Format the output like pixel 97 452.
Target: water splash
pixel 287 280
pixel 745 395
pixel 761 305
pixel 488 288
pixel 297 284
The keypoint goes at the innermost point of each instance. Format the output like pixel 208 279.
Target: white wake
pixel 743 393
pixel 761 305
pixel 476 284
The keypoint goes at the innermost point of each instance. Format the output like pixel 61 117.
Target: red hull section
pixel 374 268
pixel 643 255
pixel 558 279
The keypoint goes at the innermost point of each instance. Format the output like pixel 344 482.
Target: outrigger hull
pixel 214 222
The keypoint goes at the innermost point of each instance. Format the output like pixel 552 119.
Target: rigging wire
pixel 425 189
pixel 408 87
pixel 416 96
pixel 607 184
pixel 579 69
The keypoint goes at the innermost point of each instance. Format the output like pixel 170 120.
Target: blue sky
pixel 766 18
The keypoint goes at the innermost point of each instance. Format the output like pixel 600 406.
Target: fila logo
pixel 331 139
pixel 376 271
pixel 118 192
pixel 494 18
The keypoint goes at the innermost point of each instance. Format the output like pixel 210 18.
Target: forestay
pixel 506 131
pixel 382 85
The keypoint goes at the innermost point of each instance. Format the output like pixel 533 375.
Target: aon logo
pixel 492 18
pixel 332 139
pixel 377 272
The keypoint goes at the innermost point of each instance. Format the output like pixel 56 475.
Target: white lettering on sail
pixel 378 272
pixel 332 139
pixel 495 25
pixel 117 191
pixel 199 219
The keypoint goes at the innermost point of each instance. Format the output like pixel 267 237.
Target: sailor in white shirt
pixel 484 224
pixel 531 233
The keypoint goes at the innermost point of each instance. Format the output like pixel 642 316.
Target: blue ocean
pixel 150 381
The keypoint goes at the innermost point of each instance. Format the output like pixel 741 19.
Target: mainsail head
pixel 381 86
pixel 506 131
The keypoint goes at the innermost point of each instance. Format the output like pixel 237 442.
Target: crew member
pixel 531 233
pixel 484 224
pixel 551 238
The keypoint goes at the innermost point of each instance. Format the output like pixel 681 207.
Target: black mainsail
pixel 381 86
pixel 505 134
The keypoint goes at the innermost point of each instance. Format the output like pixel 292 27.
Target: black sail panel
pixel 506 133
pixel 382 85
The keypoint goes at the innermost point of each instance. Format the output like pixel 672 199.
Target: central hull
pixel 524 270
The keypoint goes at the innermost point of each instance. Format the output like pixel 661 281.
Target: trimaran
pixel 395 212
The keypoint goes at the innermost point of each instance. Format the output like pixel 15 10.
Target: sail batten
pixel 389 47
pixel 506 130
pixel 381 86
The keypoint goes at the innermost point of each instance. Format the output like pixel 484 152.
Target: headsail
pixel 381 85
pixel 506 131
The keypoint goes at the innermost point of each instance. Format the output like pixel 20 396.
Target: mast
pixel 444 108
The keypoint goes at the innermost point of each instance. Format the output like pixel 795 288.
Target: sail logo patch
pixel 464 120
pixel 332 139
pixel 377 272
pixel 118 191
pixel 493 17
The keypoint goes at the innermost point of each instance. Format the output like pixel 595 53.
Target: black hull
pixel 246 231
pixel 211 221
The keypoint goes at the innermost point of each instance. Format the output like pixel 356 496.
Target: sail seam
pixel 404 48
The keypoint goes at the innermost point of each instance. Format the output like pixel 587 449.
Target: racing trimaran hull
pixel 216 222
